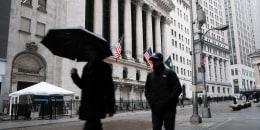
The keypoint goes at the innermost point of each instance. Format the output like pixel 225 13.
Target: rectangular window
pixel 213 89
pixel 236 71
pixel 40 29
pixel 218 89
pixel 25 24
pixel 236 86
pixel 42 5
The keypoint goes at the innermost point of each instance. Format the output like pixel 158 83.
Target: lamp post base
pixel 206 112
pixel 195 119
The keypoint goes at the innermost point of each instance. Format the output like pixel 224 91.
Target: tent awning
pixel 44 89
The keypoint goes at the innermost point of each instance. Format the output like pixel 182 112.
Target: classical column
pixel 165 31
pixel 132 93
pixel 257 76
pixel 114 24
pixel 228 77
pixel 207 67
pixel 158 38
pixel 225 71
pixel 139 31
pixel 118 93
pixel 218 70
pixel 223 76
pixel 127 30
pixel 212 69
pixel 143 98
pixel 149 31
pixel 98 17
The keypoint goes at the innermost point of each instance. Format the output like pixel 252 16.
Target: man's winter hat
pixel 156 56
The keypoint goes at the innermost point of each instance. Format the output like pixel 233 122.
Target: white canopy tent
pixel 41 89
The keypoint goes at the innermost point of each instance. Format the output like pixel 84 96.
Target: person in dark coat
pixel 208 100
pixel 235 99
pixel 199 100
pixel 97 95
pixel 162 90
pixel 181 101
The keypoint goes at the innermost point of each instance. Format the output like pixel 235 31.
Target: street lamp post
pixel 195 118
pixel 206 109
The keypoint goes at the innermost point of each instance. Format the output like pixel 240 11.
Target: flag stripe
pixel 118 49
pixel 147 55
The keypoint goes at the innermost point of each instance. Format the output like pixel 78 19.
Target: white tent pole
pixel 10 105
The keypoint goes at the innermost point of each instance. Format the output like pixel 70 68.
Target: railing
pixel 131 105
pixel 40 109
pixel 69 108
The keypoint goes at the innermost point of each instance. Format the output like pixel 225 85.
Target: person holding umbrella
pixel 97 89
pixel 97 95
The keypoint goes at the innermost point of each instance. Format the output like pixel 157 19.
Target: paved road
pixel 223 118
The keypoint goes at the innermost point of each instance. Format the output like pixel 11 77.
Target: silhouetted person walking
pixel 162 90
pixel 97 96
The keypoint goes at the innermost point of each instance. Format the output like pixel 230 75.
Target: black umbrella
pixel 69 42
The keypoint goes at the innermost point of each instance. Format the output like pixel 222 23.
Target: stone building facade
pixel 256 64
pixel 215 50
pixel 27 61
pixel 242 42
pixel 143 23
pixel 181 45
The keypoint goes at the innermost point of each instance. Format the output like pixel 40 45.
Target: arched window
pixel 28 69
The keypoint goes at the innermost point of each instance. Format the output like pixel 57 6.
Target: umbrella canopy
pixel 43 89
pixel 69 42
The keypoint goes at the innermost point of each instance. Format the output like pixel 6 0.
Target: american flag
pixel 147 55
pixel 118 49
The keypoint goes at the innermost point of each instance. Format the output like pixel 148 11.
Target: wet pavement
pixel 223 118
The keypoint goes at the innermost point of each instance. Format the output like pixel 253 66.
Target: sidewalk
pixel 22 123
pixel 221 115
pixel 10 124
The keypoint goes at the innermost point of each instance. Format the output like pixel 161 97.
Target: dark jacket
pixel 162 89
pixel 97 96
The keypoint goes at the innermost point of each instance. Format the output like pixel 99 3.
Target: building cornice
pixel 130 63
pixel 129 82
pixel 187 4
pixel 215 46
pixel 255 54
pixel 217 83
pixel 167 5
